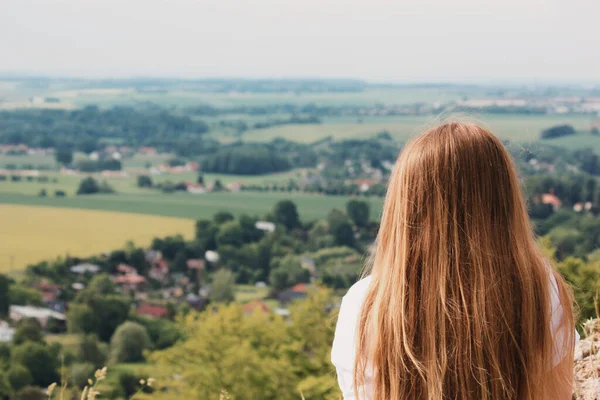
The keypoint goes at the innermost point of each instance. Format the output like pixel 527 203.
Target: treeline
pixel 87 129
pixel 246 160
pixel 558 131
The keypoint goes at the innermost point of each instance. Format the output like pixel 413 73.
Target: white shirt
pixel 344 344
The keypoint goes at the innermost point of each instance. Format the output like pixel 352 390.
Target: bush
pixel 39 360
pixel 19 376
pixel 30 393
pixel 144 181
pixel 80 373
pixel 558 131
pixel 43 193
pixel 24 296
pixel 5 387
pixel 91 350
pixel 129 384
pixel 55 326
pixel 91 186
pixel 129 342
pixel 28 329
pixel 60 193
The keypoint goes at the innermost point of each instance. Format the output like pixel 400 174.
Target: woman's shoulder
pixel 343 351
pixel 358 291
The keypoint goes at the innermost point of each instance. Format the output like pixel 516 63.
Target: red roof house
pixel 256 305
pixel 152 310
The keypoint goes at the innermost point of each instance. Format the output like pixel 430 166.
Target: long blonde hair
pixel 459 302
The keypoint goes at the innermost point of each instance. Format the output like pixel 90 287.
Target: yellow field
pixel 29 233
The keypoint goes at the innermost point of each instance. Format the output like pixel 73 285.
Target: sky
pixel 400 41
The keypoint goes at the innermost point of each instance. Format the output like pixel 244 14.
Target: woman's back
pixel 460 304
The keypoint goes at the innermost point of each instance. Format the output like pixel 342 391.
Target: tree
pixel 144 181
pixel 81 319
pixel 19 376
pixel 64 156
pixel 88 186
pixel 102 284
pixel 206 234
pixel 254 357
pixel 5 284
pixel 38 359
pixel 137 259
pixel 112 311
pixel 5 387
pixel 90 349
pixel 80 373
pixel 222 289
pixel 558 131
pixel 230 233
pixel 21 295
pixel 286 214
pixel 222 217
pixel 28 329
pixel 286 272
pixel 129 342
pixel 341 228
pixel 200 179
pixel 358 211
pixel 217 186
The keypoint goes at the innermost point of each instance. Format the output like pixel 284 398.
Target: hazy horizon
pixel 428 41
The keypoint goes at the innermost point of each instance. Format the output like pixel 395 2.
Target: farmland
pixel 31 234
pixel 189 206
pixel 521 128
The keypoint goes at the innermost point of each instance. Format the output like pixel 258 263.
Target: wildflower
pixel 84 393
pixel 90 382
pixel 100 374
pixel 142 382
pixel 92 393
pixel 151 382
pixel 50 389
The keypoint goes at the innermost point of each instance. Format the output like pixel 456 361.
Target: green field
pixel 180 98
pixel 582 140
pixel 521 128
pixel 186 205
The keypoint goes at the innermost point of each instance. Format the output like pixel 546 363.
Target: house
pixel 152 310
pixel 579 207
pixel 289 295
pixel 126 269
pixel 152 256
pixel 196 263
pixel 159 270
pixel 255 306
pixel 196 188
pixel 299 291
pixel 49 291
pixel 550 198
pixel 364 184
pixel 265 226
pixel 148 151
pixel 41 314
pixel 130 282
pixel 6 332
pixel 196 302
pixel 85 268
pixel 234 187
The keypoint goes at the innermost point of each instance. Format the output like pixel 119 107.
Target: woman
pixel 459 304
